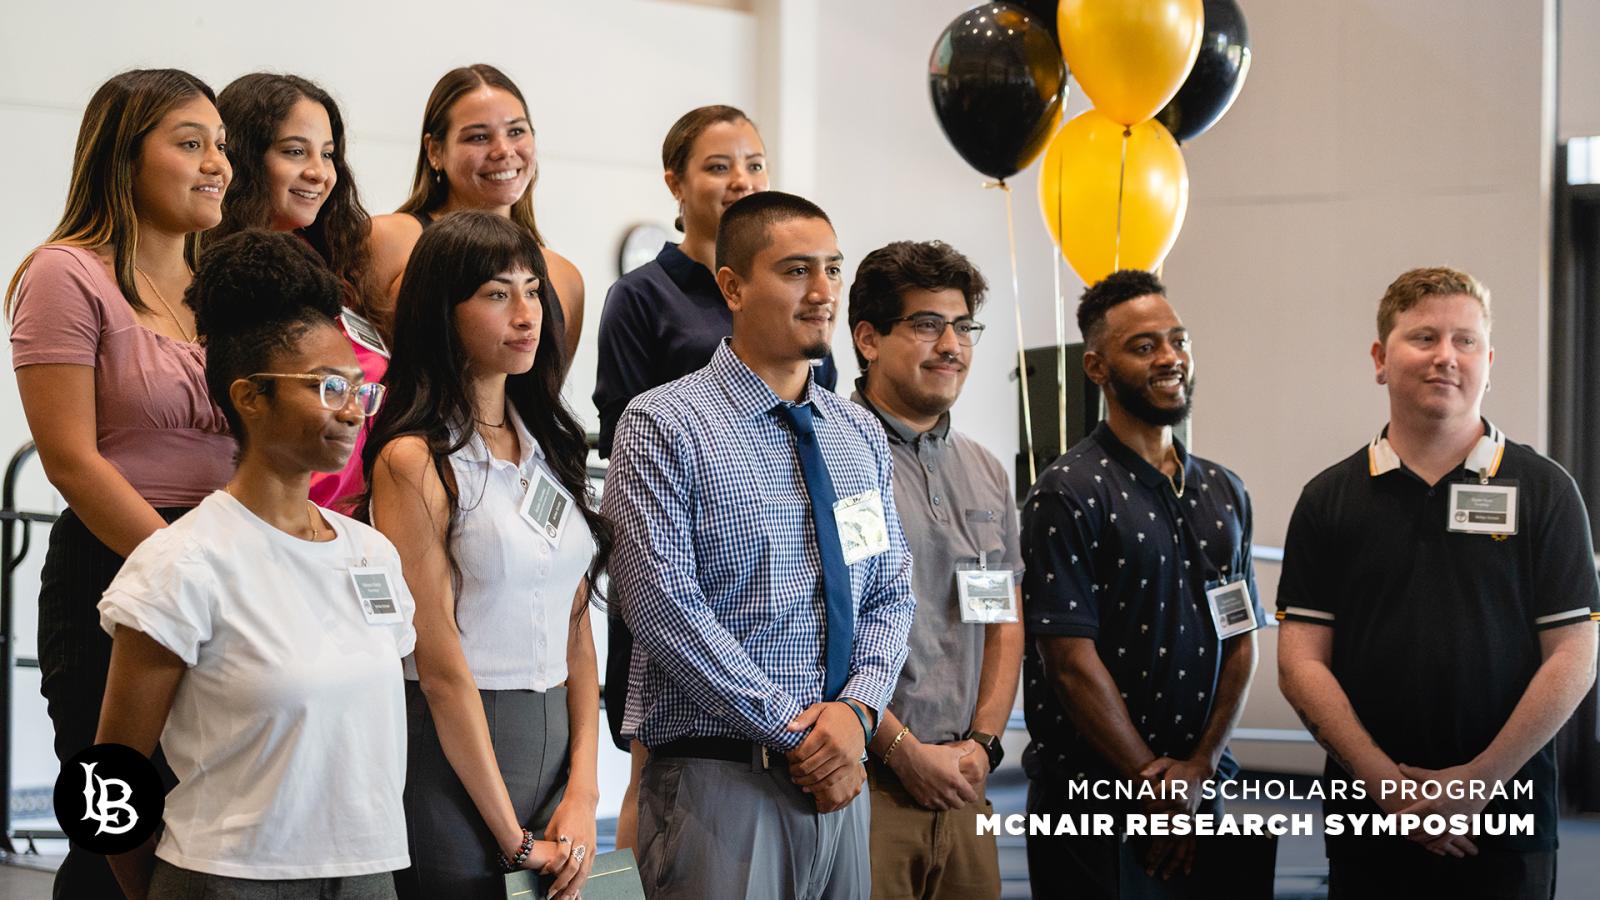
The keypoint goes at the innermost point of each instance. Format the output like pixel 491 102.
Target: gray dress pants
pixel 710 829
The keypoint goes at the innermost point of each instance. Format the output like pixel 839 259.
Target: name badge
pixel 862 532
pixel 376 593
pixel 363 332
pixel 1231 610
pixel 1478 508
pixel 986 595
pixel 546 507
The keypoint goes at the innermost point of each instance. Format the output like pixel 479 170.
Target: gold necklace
pixel 165 305
pixel 1176 478
pixel 311 514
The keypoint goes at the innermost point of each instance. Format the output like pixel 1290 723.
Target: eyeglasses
pixel 335 390
pixel 929 328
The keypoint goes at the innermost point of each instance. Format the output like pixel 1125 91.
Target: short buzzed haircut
pixel 1116 288
pixel 744 225
pixel 1438 281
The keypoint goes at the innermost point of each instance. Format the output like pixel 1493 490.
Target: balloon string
pixel 1061 358
pixel 1022 355
pixel 1122 175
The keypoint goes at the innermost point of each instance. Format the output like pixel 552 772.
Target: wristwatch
pixel 991 744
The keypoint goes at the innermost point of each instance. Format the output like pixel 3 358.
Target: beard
pixel 819 350
pixel 1135 399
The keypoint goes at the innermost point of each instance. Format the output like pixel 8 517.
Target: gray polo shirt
pixel 955 507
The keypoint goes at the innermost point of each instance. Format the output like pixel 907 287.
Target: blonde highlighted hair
pixel 100 210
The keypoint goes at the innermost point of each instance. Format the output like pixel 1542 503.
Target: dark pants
pixel 172 883
pixel 619 653
pixel 452 851
pixel 74 654
pixel 1111 868
pixel 1404 869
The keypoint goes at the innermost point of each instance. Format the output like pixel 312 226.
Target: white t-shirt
pixel 288 731
pixel 514 606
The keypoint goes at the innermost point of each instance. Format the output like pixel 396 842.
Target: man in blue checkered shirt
pixel 762 568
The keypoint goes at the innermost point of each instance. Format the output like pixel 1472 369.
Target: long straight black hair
pixel 428 371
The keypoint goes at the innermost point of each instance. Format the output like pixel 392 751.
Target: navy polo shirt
pixel 1436 632
pixel 661 321
pixel 1113 553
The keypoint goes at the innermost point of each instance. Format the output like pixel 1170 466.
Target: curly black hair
pixel 255 294
pixel 1118 287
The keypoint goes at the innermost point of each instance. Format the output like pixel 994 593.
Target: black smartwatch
pixel 991 745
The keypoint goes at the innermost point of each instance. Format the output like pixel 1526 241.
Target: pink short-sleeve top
pixel 154 419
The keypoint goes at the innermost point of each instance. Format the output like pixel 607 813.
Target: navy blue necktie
pixel 835 574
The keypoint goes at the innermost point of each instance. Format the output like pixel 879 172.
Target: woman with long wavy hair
pixel 477 473
pixel 286 140
pixel 112 377
pixel 476 152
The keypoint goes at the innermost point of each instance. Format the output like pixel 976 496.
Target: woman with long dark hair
pixel 477 473
pixel 286 141
pixel 112 377
pixel 240 641
pixel 476 152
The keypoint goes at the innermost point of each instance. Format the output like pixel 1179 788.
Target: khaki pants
pixel 918 854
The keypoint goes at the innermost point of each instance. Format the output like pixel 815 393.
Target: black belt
pixel 726 749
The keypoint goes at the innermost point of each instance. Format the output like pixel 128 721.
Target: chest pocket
pixel 985 531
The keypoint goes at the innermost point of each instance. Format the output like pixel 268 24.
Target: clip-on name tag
pixel 1231 610
pixel 363 332
pixel 986 594
pixel 376 593
pixel 1484 507
pixel 546 507
pixel 862 531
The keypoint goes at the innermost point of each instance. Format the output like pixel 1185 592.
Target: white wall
pixel 604 80
pixel 1372 136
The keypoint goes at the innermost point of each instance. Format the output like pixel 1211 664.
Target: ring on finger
pixel 579 852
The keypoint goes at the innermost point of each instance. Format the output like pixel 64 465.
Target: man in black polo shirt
pixel 1140 603
pixel 1436 599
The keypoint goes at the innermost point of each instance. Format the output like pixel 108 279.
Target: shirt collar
pixel 749 394
pixel 684 271
pixel 1485 457
pixel 477 450
pixel 898 431
pixel 1148 475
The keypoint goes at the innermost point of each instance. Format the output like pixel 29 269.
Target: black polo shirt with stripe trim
pixel 1435 632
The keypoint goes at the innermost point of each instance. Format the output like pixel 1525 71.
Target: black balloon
pixel 1043 12
pixel 1217 76
pixel 997 81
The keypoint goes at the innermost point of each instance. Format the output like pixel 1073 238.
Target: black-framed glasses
pixel 929 327
pixel 336 390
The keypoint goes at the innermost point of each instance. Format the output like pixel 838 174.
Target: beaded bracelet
pixel 514 863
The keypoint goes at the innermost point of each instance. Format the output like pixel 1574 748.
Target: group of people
pixel 330 545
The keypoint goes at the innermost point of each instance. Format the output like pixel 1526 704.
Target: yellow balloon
pixel 1130 56
pixel 1078 194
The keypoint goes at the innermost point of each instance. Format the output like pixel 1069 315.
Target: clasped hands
pixel 827 764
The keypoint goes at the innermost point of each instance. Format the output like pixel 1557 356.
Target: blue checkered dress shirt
pixel 716 566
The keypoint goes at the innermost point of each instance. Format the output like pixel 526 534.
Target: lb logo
pixel 109 798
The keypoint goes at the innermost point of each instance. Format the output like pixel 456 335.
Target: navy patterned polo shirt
pixel 1113 553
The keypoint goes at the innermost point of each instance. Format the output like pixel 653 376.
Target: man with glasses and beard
pixel 1140 604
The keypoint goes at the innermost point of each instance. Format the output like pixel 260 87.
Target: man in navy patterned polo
pixel 1137 566
pixel 764 573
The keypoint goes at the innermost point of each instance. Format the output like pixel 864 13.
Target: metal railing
pixel 11 520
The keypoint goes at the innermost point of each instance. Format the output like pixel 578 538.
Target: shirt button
pixel 935 499
pixel 930 467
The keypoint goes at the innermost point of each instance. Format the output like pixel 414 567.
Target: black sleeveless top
pixel 558 316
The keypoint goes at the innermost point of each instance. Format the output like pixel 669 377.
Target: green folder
pixel 615 876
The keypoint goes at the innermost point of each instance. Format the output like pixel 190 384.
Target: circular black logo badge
pixel 109 798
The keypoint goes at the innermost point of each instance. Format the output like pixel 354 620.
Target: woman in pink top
pixel 286 143
pixel 111 379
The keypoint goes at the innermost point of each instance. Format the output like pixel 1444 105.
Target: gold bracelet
pixel 897 739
